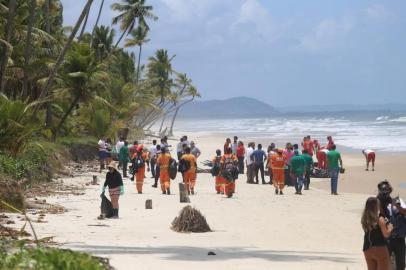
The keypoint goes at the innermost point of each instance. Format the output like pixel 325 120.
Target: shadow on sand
pixel 187 253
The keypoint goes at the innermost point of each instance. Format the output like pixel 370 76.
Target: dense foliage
pixel 61 81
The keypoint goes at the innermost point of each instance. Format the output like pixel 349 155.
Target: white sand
pixel 255 229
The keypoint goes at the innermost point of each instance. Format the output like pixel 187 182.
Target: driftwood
pixel 190 220
pixel 184 198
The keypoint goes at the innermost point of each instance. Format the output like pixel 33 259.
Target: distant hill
pixel 238 107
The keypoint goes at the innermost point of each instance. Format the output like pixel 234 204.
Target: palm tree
pixel 61 56
pixel 131 12
pixel 97 22
pixel 159 71
pixel 27 51
pixel 82 80
pixel 9 27
pixel 84 23
pixel 102 43
pixel 139 37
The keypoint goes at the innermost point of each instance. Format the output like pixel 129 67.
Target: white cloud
pixel 378 12
pixel 327 34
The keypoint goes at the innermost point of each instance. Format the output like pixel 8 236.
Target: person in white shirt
pixel 179 149
pixel 194 150
pixel 119 144
pixel 234 146
pixel 369 157
pixel 250 162
pixel 152 156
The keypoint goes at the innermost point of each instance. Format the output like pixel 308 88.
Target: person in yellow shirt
pixel 189 176
pixel 163 162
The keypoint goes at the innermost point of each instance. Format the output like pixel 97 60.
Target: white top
pixel 152 151
pixel 234 148
pixel 402 204
pixel 248 155
pixel 179 147
pixel 119 145
pixel 102 145
pixel 325 151
pixel 368 151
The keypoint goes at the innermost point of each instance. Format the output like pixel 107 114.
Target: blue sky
pixel 285 52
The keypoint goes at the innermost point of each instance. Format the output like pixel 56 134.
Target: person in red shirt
pixel 308 145
pixel 240 157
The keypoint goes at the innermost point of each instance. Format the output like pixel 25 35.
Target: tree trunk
pixel 97 22
pixel 184 197
pixel 138 66
pixel 162 123
pixel 84 24
pixel 27 50
pixel 61 56
pixel 65 116
pixel 173 121
pixel 48 117
pixel 119 40
pixel 9 31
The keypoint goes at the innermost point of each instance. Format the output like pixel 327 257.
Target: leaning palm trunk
pixel 65 116
pixel 84 24
pixel 27 50
pixel 138 65
pixel 97 22
pixel 173 121
pixel 61 56
pixel 7 49
pixel 121 37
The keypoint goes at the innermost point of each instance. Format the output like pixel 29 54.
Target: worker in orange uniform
pixel 139 177
pixel 189 177
pixel 219 180
pixel 229 171
pixel 163 162
pixel 278 171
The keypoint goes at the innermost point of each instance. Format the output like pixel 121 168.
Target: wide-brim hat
pixel 113 165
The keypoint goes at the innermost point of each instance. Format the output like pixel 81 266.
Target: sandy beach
pixel 255 229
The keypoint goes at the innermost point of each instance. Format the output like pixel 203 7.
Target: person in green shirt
pixel 309 168
pixel 334 163
pixel 124 157
pixel 297 168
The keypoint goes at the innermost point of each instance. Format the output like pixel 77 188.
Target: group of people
pixel 286 166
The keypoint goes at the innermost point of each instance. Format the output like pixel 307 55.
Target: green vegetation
pixel 39 258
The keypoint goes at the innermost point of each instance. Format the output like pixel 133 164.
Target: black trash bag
pixel 173 169
pixel 106 207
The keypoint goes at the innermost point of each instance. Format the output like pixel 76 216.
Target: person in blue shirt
pixel 259 156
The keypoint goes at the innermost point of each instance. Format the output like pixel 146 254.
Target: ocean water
pixel 381 132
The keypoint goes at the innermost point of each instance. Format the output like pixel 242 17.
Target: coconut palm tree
pixel 97 22
pixel 82 79
pixel 102 43
pixel 131 13
pixel 84 23
pixel 139 37
pixel 28 45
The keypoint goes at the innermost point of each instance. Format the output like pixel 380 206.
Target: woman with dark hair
pixel 376 231
pixel 116 188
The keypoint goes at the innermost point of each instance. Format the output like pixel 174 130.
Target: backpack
pixel 230 171
pixel 184 166
pixel 138 162
pixel 215 169
pixel 173 168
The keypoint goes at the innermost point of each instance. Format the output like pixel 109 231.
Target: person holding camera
pixel 394 210
pixel 376 230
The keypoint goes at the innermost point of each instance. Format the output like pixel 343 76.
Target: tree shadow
pixel 188 253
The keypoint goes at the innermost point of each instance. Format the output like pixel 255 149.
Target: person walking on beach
pixel 123 157
pixel 229 172
pixel 249 162
pixel 189 176
pixel 133 149
pixel 308 145
pixel 102 154
pixel 152 157
pixel 234 146
pixel 227 144
pixel 216 171
pixel 163 162
pixel 288 153
pixel 116 188
pixel 278 171
pixel 141 159
pixel 240 156
pixel 271 154
pixel 194 150
pixel 376 231
pixel 334 162
pixel 119 144
pixel 370 158
pixel 259 159
pixel 298 166
pixel 309 168
pixel 321 156
pixel 157 167
pixel 179 149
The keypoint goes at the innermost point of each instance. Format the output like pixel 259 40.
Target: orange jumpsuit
pixel 139 177
pixel 220 181
pixel 278 171
pixel 189 177
pixel 163 163
pixel 229 186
